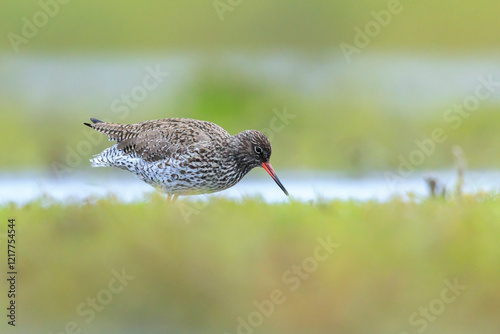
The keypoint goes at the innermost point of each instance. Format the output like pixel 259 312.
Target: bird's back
pixel 159 139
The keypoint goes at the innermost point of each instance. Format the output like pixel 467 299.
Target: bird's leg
pixel 172 198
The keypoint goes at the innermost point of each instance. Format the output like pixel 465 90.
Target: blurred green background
pixel 263 55
pixel 197 270
pixel 240 64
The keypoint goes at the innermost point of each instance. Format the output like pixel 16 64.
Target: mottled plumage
pixel 182 156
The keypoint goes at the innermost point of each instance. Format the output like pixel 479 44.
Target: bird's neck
pixel 237 148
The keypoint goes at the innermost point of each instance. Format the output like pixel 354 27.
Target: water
pixel 22 188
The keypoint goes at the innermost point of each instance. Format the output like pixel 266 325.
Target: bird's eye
pixel 258 149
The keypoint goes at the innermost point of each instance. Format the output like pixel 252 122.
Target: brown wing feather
pixel 159 139
pixel 116 131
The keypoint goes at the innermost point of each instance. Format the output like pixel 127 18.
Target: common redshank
pixel 182 156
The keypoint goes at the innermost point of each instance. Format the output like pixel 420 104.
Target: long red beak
pixel 267 166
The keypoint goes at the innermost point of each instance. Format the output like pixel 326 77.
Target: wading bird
pixel 181 156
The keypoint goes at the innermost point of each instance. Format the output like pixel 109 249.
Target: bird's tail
pixel 114 131
pixel 113 157
pixel 105 159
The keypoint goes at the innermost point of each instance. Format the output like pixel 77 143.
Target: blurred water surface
pixel 22 188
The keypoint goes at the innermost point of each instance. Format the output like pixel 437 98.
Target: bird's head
pixel 255 151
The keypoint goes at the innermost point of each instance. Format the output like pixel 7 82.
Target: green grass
pixel 200 276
